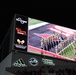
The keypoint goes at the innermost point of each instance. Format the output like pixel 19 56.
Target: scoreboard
pixel 44 38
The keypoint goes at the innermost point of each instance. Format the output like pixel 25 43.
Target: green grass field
pixel 34 21
pixel 69 51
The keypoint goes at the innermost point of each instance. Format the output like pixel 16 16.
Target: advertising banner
pixel 20 32
pixel 30 60
pixel 33 60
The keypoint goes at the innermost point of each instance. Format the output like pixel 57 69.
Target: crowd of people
pixel 60 71
pixel 56 41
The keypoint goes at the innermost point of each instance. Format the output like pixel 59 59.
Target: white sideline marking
pixel 66 47
pixel 37 25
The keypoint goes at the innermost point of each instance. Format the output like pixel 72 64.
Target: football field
pixel 69 51
pixel 46 30
pixel 34 21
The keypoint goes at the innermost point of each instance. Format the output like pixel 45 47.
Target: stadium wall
pixel 8 73
pixel 5 63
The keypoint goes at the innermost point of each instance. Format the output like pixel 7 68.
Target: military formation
pixel 56 41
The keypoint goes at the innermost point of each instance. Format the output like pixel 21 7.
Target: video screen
pixel 52 40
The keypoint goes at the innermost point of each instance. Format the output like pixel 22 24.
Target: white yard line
pixel 37 25
pixel 65 47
